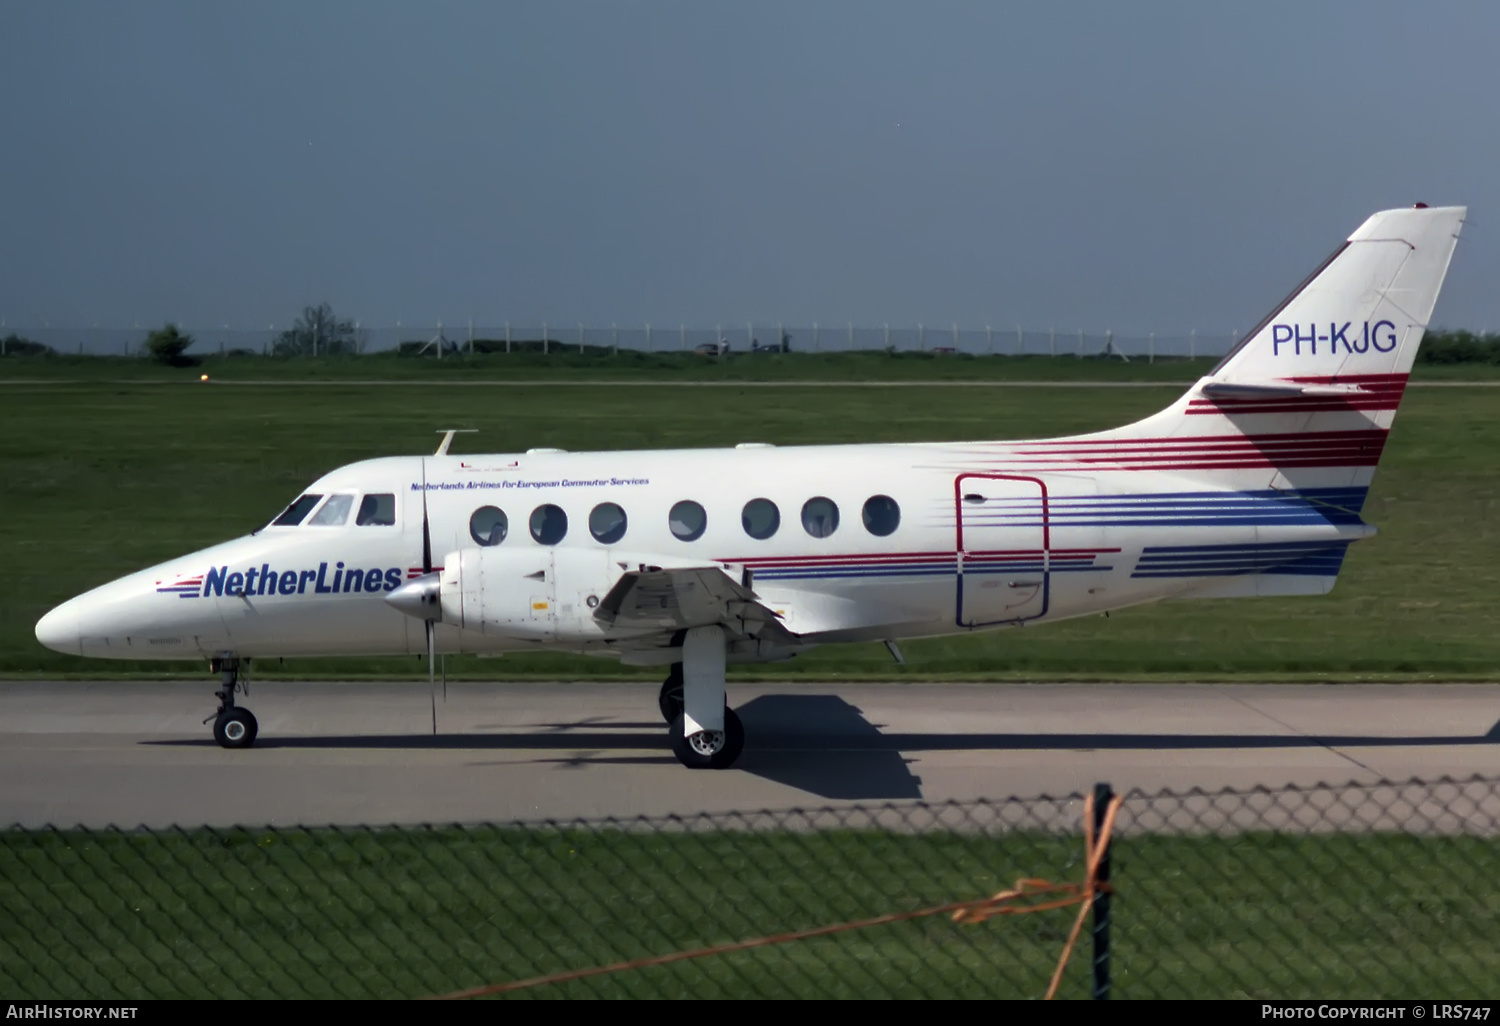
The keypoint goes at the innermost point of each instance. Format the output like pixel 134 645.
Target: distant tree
pixel 318 333
pixel 1447 346
pixel 167 345
pixel 15 345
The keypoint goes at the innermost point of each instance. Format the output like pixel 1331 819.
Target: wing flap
pixel 678 598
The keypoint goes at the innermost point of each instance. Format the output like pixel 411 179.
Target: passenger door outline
pixel 963 557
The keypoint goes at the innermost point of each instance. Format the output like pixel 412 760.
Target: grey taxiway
pixel 133 753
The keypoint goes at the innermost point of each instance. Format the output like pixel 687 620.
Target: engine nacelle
pixel 536 594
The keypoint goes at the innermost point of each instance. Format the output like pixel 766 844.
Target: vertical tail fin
pixel 1361 315
pixel 1307 399
pixel 1281 439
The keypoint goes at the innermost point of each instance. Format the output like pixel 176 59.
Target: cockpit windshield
pixel 377 510
pixel 334 512
pixel 297 511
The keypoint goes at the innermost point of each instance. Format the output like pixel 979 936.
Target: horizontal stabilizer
pixel 1233 390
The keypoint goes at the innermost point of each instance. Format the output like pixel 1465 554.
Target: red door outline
pixel 960 554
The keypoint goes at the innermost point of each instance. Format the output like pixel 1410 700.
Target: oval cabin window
pixel 881 515
pixel 549 524
pixel 760 518
pixel 488 525
pixel 687 520
pixel 607 523
pixel 820 517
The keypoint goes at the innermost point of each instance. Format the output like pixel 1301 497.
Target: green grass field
pixel 365 913
pixel 107 466
pixel 597 364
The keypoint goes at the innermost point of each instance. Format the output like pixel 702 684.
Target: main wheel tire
pixel 709 749
pixel 670 698
pixel 236 728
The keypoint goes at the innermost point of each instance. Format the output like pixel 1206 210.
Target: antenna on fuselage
pixel 448 433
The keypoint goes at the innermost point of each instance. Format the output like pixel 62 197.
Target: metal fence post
pixel 1103 794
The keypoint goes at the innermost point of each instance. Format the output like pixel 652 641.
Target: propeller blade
pixel 426 529
pixel 431 686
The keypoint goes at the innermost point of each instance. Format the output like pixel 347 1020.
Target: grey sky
pixel 1138 166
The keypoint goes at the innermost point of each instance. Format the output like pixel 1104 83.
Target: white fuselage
pixel 988 535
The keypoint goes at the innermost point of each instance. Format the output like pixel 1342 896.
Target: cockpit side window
pixel 297 511
pixel 377 510
pixel 334 512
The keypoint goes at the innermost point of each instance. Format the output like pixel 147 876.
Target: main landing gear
pixel 705 732
pixel 234 727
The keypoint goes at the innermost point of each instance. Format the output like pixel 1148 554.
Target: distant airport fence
pixel 451 340
pixel 1388 890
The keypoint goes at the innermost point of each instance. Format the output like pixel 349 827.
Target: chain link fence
pixel 1363 891
pixel 464 339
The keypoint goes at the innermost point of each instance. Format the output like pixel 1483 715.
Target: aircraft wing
pixel 682 597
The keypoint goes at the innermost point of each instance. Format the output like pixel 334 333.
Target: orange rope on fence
pixel 974 911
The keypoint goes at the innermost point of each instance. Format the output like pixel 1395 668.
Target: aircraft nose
pixel 59 630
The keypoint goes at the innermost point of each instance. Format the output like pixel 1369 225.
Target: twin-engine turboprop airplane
pixel 1250 484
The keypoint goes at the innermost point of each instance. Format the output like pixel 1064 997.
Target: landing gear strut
pixel 234 727
pixel 705 732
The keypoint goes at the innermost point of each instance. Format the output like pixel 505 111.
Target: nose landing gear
pixel 234 726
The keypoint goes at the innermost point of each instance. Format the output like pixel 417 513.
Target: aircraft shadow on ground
pixel 825 746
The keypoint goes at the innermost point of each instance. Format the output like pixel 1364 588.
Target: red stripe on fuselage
pixel 1212 452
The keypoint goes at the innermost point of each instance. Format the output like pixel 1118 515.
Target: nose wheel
pixel 234 726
